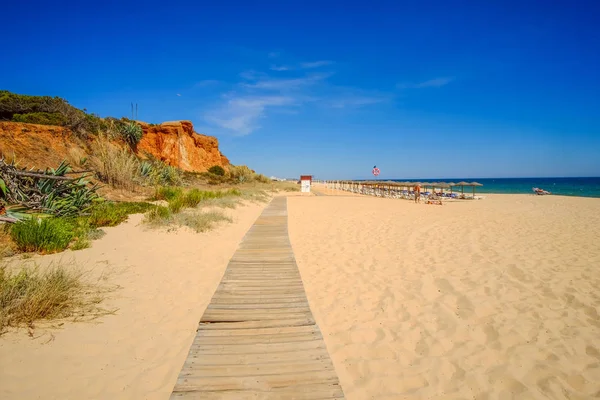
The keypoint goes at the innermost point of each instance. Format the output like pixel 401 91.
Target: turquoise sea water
pixel 584 187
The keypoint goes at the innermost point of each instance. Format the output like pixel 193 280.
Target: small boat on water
pixel 540 192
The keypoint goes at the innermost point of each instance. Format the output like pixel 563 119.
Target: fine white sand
pixel 495 298
pixel 166 280
pixel 487 299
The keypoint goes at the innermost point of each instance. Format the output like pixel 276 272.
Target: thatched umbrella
pixel 451 186
pixel 462 184
pixel 442 185
pixel 475 184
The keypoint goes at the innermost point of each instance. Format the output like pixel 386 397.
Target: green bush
pixel 48 110
pixel 112 214
pixel 194 197
pixel 167 193
pixel 158 215
pixel 168 175
pixel 42 118
pixel 262 178
pixel 233 192
pixel 216 179
pixel 217 170
pixel 46 235
pixel 241 173
pixel 176 204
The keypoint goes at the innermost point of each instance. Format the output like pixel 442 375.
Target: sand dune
pixel 496 298
pixel 166 281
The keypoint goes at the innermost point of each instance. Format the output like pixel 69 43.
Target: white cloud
pixel 280 68
pixel 286 84
pixel 316 64
pixel 357 101
pixel 257 95
pixel 242 113
pixel 437 82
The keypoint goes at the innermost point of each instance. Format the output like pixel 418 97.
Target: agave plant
pixel 46 191
pixel 131 133
pixel 146 169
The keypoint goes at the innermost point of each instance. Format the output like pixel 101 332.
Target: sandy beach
pixel 495 298
pixel 165 281
pixel 485 299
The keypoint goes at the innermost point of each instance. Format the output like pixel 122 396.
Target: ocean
pixel 583 187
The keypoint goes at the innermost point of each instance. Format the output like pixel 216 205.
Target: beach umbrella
pixel 462 184
pixel 442 185
pixel 451 186
pixel 475 184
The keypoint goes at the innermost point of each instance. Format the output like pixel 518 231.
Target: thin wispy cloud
pixel 432 83
pixel 357 101
pixel 257 95
pixel 273 54
pixel 280 68
pixel 315 64
pixel 241 113
pixel 286 84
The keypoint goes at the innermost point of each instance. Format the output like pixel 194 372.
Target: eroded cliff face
pixel 40 146
pixel 175 143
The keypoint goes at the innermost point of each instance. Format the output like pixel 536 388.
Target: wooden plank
pixel 260 358
pixel 287 367
pixel 258 331
pixel 257 306
pixel 312 393
pixel 257 339
pixel 262 382
pixel 256 290
pixel 234 295
pixel 258 324
pixel 247 315
pixel 270 338
pixel 259 300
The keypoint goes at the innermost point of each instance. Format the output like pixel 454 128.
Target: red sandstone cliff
pixel 176 144
pixel 40 146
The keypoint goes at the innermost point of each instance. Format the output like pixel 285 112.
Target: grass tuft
pixel 45 235
pixel 158 215
pixel 201 222
pixel 30 295
pixel 116 166
pixel 112 214
pixel 223 202
pixel 167 193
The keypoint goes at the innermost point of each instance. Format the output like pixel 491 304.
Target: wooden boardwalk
pixel 258 338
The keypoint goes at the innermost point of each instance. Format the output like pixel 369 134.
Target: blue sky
pixel 422 89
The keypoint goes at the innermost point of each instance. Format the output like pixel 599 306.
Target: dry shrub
pixel 31 295
pixel 159 216
pixel 222 202
pixel 240 173
pixel 262 178
pixel 7 247
pixel 116 165
pixel 201 221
